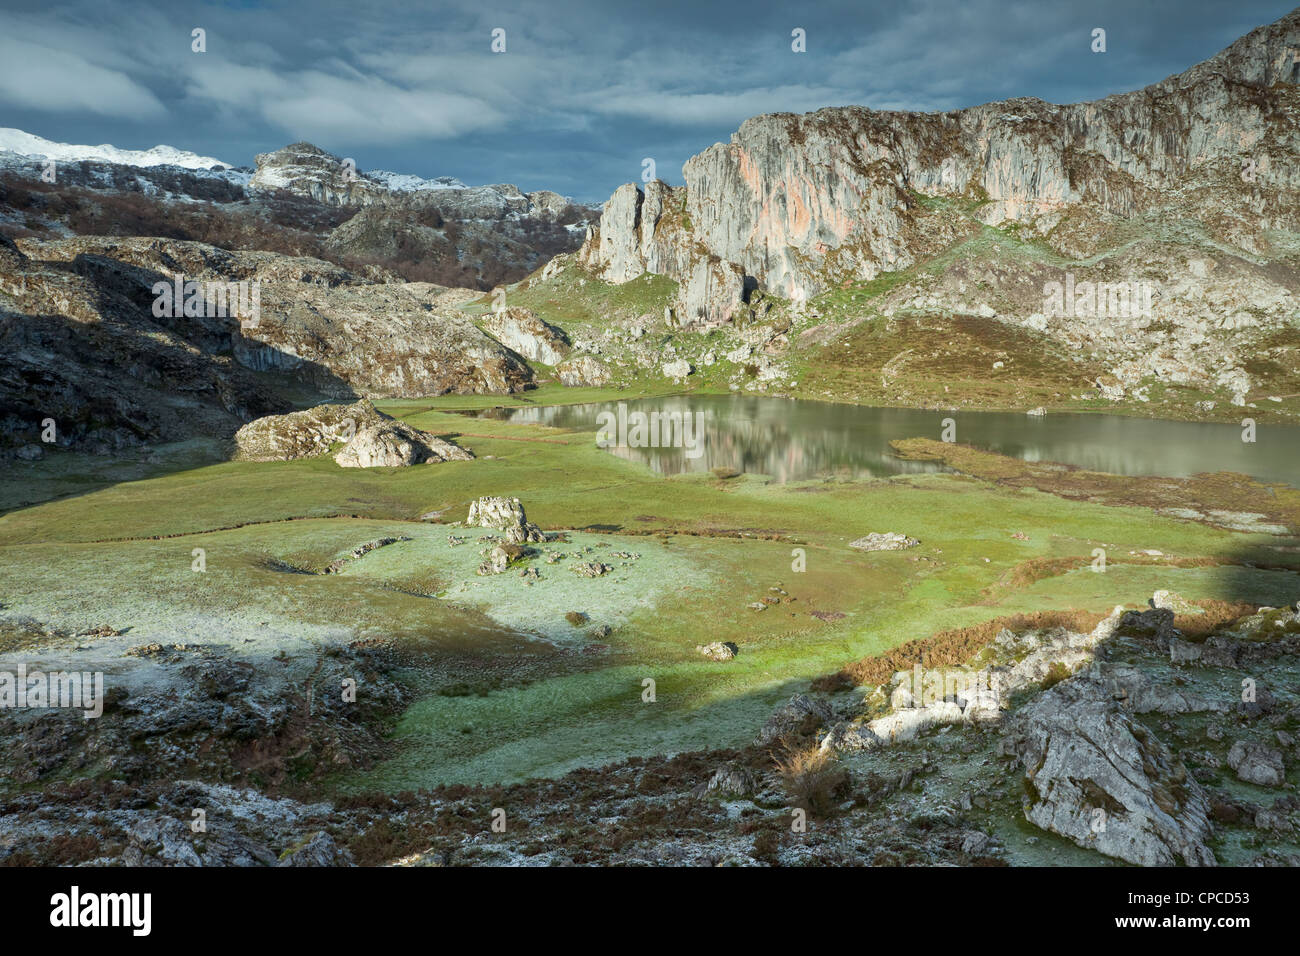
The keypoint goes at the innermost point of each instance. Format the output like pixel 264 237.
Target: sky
pixel 584 92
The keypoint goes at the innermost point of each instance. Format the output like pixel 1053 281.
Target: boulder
pixel 504 514
pixel 717 650
pixel 370 438
pixel 680 368
pixel 801 714
pixel 579 370
pixel 394 444
pixel 728 782
pixel 303 434
pixel 497 561
pixel 884 541
pixel 1257 764
pixel 1102 780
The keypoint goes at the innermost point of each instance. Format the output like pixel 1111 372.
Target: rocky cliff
pixel 796 204
pixel 87 345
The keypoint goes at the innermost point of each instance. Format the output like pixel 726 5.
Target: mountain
pixel 1191 185
pixel 436 230
pixel 26 145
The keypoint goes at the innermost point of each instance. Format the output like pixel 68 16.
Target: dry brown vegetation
pixel 281 223
pixel 813 779
pixel 951 648
pixel 913 360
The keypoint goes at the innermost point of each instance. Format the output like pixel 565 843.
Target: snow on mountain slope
pixel 405 182
pixel 25 144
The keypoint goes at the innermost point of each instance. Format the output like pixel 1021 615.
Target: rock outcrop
pixel 884 541
pixel 521 331
pixel 580 370
pixel 800 201
pixel 793 206
pixel 309 171
pixel 91 342
pixel 370 438
pixel 1097 777
pixel 504 514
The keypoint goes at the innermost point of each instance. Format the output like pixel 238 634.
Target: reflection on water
pixel 792 440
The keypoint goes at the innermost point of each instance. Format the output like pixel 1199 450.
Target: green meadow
pixel 507 687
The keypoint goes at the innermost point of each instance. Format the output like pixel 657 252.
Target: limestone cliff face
pixel 651 232
pixel 800 202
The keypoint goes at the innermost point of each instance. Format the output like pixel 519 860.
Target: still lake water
pixel 794 440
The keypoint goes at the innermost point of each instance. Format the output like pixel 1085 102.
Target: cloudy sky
pixel 585 90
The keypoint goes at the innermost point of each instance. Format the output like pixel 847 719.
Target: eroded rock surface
pixel 370 438
pixel 507 515
pixel 520 330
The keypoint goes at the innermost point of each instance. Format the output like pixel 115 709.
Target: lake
pixel 795 440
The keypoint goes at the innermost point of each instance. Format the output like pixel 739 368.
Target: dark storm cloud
pixel 585 90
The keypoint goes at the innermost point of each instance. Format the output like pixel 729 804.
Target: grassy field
pixel 524 692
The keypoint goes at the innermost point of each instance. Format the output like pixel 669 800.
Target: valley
pixel 976 542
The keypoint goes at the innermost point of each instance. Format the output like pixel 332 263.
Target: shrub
pixel 1056 673
pixel 813 779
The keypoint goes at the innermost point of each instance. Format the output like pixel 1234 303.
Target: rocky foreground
pixel 1156 737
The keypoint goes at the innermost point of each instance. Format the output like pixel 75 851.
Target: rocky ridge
pixel 86 348
pixel 1188 185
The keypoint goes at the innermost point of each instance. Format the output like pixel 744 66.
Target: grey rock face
pixel 1255 763
pixel 520 330
pixel 649 232
pixel 310 171
pixel 504 514
pixel 579 370
pixel 801 202
pixel 1097 777
pixel 317 849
